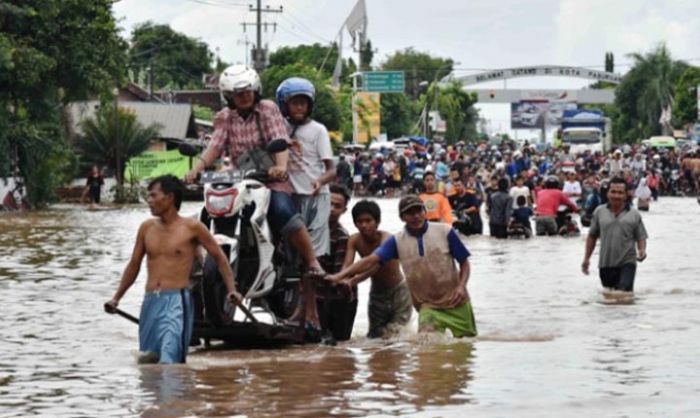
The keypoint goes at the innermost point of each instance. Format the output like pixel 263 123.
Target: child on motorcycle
pixel 310 170
pixel 521 217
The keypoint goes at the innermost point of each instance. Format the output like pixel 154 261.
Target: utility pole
pixel 150 79
pixel 259 53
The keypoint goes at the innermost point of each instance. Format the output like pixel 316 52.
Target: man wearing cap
pixel 427 253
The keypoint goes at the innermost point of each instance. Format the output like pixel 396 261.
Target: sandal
pixel 312 334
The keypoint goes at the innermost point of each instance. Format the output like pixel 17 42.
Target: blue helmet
pixel 295 86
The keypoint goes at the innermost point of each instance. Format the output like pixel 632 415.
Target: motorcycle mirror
pixel 187 149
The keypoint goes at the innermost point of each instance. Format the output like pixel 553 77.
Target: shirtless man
pixel 389 298
pixel 692 166
pixel 170 244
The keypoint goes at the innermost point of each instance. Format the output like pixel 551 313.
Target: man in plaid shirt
pixel 249 122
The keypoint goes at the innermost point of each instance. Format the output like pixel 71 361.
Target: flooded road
pixel 548 346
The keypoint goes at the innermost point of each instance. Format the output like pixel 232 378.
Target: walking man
pixel 170 244
pixel 619 227
pixel 429 253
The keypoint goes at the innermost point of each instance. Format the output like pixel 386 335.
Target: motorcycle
pixel 672 182
pixel 235 212
pixel 566 225
pixel 518 230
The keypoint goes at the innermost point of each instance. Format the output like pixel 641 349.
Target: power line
pixel 219 4
pixel 301 36
pixel 298 29
pixel 300 23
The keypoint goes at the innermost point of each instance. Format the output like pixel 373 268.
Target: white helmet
pixel 239 78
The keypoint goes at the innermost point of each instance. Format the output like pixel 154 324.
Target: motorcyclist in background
pixel 548 202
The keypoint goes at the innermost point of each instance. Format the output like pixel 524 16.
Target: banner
pixel 368 120
pixel 528 114
pixel 153 164
pixel 536 114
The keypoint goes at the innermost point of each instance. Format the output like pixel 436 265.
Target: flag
pixel 357 21
pixel 335 81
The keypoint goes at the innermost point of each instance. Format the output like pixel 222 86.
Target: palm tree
pixel 655 75
pixel 113 137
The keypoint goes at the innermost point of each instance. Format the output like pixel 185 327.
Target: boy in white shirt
pixel 572 187
pixel 310 171
pixel 520 190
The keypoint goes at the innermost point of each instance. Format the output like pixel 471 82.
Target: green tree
pixel 609 62
pixel 47 59
pixel 645 90
pixel 398 114
pixel 113 137
pixel 177 61
pixel 456 107
pixel 326 108
pixel 685 105
pixel 418 67
pixel 313 56
pixel 609 67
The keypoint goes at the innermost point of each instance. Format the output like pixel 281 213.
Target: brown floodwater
pixel 548 345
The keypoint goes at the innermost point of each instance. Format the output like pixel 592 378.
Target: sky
pixel 476 34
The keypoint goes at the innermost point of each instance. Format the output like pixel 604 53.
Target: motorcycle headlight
pixel 220 202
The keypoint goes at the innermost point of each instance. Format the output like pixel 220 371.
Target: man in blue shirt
pixel 438 289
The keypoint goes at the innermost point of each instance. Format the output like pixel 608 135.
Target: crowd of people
pixel 425 266
pixel 513 182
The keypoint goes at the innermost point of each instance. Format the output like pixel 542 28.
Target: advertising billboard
pixel 528 114
pixel 367 123
pixel 536 114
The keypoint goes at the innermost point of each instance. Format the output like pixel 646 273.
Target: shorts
pixel 546 225
pixel 337 314
pixel 282 215
pixel 95 194
pixel 619 278
pixel 459 320
pixel 389 310
pixel 357 179
pixel 315 211
pixel 165 325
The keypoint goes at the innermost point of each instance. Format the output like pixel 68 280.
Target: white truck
pixel 586 130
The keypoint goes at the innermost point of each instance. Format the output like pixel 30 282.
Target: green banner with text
pixel 153 164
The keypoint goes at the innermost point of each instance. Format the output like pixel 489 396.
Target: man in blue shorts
pixel 170 244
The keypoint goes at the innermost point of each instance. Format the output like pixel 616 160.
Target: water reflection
pixel 395 379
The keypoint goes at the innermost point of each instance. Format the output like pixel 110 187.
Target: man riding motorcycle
pixel 548 201
pixel 247 123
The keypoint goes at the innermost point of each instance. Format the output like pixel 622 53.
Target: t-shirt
pixel 548 201
pixel 618 235
pixel 571 188
pixel 522 215
pixel 437 207
pixel 517 191
pixel 310 145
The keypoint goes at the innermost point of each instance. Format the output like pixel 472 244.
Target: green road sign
pixel 384 81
